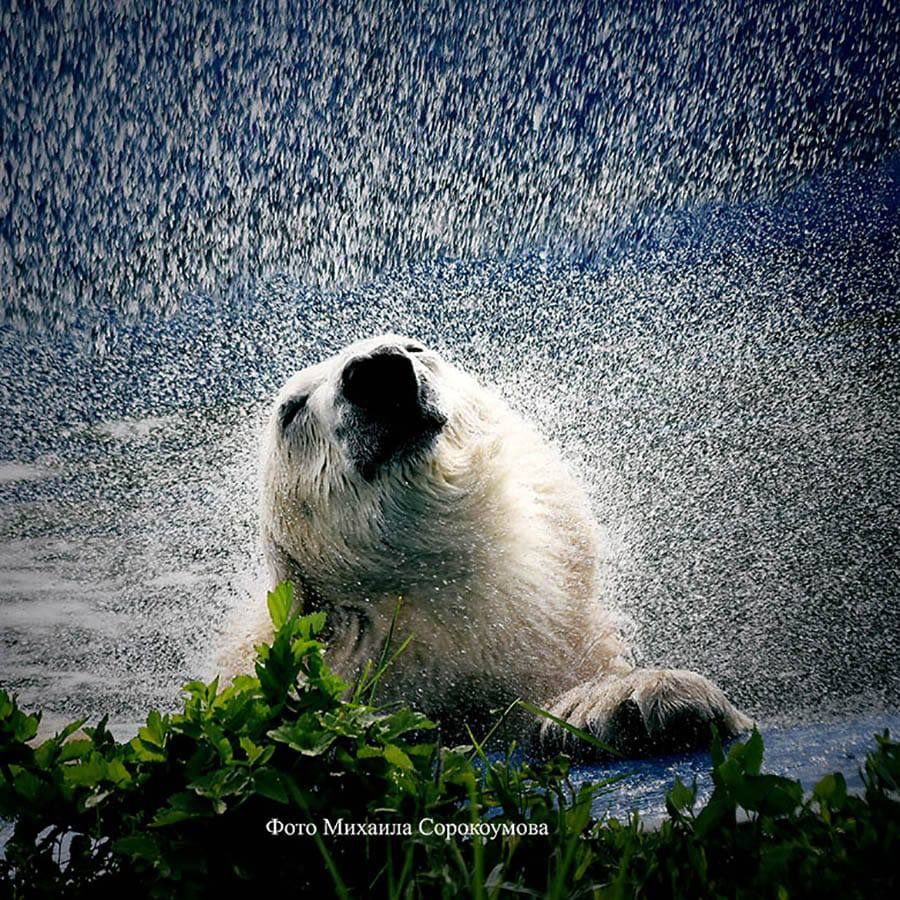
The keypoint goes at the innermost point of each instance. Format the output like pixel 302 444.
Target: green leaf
pixel 367 751
pixel 769 794
pixel 304 738
pixel 184 805
pixel 310 625
pixel 195 689
pixel 578 815
pixel 153 735
pixel 86 774
pixel 146 751
pixel 116 772
pixel 720 809
pixel 139 845
pixel 252 750
pixel 351 721
pixel 75 749
pixel 96 799
pixel 681 797
pixel 396 757
pixel 268 783
pixel 221 782
pixel 420 749
pixel 403 721
pixel 331 685
pixel 23 727
pixel 753 753
pixel 244 683
pixel 27 785
pixel 831 791
pixel 279 602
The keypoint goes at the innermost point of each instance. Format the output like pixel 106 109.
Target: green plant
pixel 293 778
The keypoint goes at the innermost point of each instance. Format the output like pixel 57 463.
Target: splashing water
pixel 668 236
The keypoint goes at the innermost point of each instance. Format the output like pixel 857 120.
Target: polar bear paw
pixel 643 713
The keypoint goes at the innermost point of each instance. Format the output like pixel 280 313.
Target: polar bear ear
pixel 290 409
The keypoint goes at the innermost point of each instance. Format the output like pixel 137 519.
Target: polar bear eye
pixel 290 409
pixel 414 348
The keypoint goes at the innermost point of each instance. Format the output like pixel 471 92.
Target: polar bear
pixel 388 473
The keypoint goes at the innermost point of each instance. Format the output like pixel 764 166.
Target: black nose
pixel 382 384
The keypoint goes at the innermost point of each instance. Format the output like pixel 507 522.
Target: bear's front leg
pixel 642 713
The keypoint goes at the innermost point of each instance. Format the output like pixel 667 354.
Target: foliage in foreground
pixel 242 784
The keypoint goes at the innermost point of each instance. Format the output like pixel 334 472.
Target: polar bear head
pixel 375 459
pixel 379 403
pixel 375 408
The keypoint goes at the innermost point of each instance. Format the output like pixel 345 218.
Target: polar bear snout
pixel 383 385
pixel 391 411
